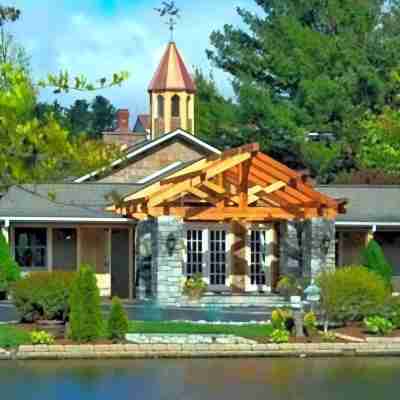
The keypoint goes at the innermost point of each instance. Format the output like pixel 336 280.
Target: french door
pixel 207 253
pixel 259 268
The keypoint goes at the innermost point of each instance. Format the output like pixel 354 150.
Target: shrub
pixel 378 325
pixel 41 337
pixel 310 323
pixel 9 270
pixel 351 293
pixel 86 323
pixel 391 311
pixel 372 257
pixel 118 323
pixel 43 295
pixel 328 337
pixel 280 319
pixel 280 336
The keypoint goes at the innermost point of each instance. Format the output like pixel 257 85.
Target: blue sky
pixel 98 37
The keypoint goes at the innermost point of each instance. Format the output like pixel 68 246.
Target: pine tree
pixel 86 321
pixel 372 257
pixel 118 320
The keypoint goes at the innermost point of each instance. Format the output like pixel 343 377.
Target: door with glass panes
pixel 258 260
pixel 207 253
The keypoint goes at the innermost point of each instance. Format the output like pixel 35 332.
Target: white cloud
pixel 76 36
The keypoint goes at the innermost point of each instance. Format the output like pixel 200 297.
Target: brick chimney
pixel 123 120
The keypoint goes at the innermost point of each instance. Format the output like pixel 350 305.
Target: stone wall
pixel 155 160
pixel 307 248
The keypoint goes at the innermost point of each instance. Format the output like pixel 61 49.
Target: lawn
pixel 249 331
pixel 11 336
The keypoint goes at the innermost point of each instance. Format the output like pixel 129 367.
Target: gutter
pixel 7 220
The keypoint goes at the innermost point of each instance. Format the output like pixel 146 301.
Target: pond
pixel 200 379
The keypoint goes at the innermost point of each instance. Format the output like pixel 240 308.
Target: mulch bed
pixel 357 330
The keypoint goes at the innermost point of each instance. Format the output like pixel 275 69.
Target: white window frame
pixel 206 228
pixel 270 257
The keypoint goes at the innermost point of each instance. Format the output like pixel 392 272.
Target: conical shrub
pixel 117 321
pixel 10 271
pixel 86 323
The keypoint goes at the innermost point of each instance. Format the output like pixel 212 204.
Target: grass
pixel 249 331
pixel 11 336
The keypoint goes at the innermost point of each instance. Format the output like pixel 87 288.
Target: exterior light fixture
pixel 171 244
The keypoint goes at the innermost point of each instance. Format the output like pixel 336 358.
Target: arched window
pixel 160 106
pixel 176 112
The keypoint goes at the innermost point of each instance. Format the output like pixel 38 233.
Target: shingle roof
pixel 367 203
pixel 172 73
pixel 68 200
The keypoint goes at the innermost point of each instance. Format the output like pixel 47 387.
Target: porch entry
pixel 209 251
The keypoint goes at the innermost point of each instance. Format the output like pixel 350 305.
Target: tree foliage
pixel 9 270
pixel 118 323
pixel 33 150
pixel 310 66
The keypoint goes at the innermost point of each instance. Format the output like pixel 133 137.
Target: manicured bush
pixel 41 337
pixel 43 295
pixel 118 323
pixel 372 257
pixel 352 293
pixel 279 336
pixel 9 270
pixel 310 323
pixel 86 323
pixel 378 325
pixel 282 319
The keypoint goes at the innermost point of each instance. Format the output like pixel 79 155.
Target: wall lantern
pixel 171 244
pixel 325 243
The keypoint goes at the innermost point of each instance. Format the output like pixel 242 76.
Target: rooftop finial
pixel 170 10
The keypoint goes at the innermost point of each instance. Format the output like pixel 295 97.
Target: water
pixel 201 379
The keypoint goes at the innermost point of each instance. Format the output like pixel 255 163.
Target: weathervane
pixel 170 10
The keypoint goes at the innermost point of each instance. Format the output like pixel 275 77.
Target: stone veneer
pixel 311 255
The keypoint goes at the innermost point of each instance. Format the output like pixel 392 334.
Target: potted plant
pixel 194 287
pixel 291 288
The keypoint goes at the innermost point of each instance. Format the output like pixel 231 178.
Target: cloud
pixel 92 38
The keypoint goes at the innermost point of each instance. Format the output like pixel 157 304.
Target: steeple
pixel 172 94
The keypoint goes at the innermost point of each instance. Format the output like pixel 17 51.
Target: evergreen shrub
pixel 9 270
pixel 43 295
pixel 118 323
pixel 86 322
pixel 372 257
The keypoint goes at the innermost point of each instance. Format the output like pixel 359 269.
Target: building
pixel 174 206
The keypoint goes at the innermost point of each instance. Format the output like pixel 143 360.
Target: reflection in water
pixel 311 379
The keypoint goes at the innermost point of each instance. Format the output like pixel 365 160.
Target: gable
pixel 152 156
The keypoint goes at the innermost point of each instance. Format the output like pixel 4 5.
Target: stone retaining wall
pixel 133 351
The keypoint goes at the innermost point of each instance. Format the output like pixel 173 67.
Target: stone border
pixel 134 351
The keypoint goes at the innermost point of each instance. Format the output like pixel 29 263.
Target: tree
pixel 380 143
pixel 103 116
pixel 35 151
pixel 9 270
pixel 216 117
pixel 12 52
pixel 310 66
pixel 118 323
pixel 78 116
pixel 86 321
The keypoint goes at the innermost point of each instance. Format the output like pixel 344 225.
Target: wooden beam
pixel 217 188
pixel 198 193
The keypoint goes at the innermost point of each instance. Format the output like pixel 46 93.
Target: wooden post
pixel 239 267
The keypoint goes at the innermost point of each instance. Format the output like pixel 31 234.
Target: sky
pixel 99 37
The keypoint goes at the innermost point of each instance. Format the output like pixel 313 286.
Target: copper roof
pixel 172 73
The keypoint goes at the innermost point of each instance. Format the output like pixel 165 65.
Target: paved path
pixel 142 312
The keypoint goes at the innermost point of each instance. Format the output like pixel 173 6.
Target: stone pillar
pixel 319 246
pixel 169 262
pixel 291 239
pixel 239 266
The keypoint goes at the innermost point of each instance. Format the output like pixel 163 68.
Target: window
pixel 160 106
pixel 258 257
pixel 207 253
pixel 194 253
pixel 31 247
pixel 176 112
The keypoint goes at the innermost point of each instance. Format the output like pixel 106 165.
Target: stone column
pixel 169 262
pixel 319 246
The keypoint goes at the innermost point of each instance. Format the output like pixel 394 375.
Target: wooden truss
pixel 242 183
